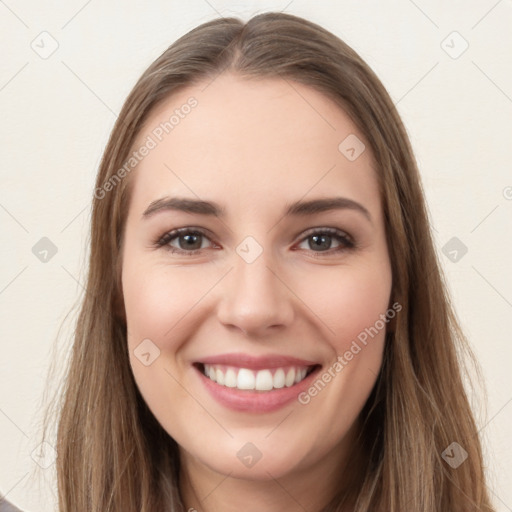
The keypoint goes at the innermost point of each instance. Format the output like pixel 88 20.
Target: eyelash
pixel 341 236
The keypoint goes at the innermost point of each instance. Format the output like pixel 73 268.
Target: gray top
pixel 5 506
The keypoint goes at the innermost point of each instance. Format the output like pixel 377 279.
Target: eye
pixel 188 239
pixel 322 239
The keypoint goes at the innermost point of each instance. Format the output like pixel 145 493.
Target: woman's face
pixel 262 289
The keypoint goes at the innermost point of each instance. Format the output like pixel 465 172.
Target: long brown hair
pixel 112 453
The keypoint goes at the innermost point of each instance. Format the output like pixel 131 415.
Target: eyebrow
pixel 211 208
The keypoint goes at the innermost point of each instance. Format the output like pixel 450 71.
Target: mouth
pixel 255 384
pixel 262 380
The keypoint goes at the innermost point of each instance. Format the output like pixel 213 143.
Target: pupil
pixel 190 240
pixel 323 238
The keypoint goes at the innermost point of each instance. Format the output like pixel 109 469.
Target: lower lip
pixel 255 401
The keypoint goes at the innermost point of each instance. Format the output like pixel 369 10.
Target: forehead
pixel 271 139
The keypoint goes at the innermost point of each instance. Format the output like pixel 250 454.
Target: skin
pixel 254 146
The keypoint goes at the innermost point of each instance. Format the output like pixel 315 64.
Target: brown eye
pixel 321 240
pixel 189 241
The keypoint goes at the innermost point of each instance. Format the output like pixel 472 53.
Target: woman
pixel 265 324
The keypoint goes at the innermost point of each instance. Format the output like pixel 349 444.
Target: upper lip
pixel 256 363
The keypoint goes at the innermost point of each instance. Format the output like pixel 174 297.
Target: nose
pixel 255 298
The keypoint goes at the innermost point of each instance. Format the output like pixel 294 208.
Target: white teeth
pixel 245 379
pixel 262 380
pixel 230 378
pixel 279 378
pixel 290 377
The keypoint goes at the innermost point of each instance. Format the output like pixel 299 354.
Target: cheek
pixel 156 298
pixel 353 303
pixel 348 301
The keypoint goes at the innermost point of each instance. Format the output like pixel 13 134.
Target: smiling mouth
pixel 263 380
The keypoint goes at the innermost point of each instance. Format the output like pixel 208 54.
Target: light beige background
pixel 58 111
